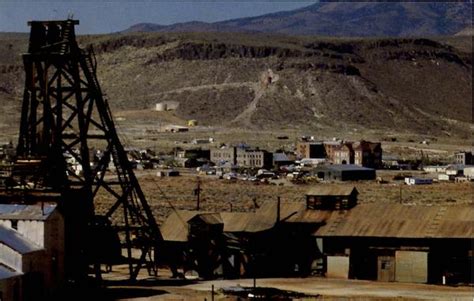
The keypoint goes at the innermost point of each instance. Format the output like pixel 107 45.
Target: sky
pixel 112 16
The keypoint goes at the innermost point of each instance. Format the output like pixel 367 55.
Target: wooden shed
pixel 324 197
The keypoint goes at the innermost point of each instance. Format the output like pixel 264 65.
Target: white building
pixel 31 251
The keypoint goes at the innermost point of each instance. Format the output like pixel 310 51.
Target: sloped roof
pixel 26 212
pixel 209 218
pixel 236 221
pixel 267 214
pixel 175 227
pixel 331 190
pixel 280 157
pixel 6 272
pixel 310 216
pixel 17 242
pixel 401 221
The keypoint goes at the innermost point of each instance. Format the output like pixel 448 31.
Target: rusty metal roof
pixel 401 221
pixel 209 218
pixel 236 221
pixel 175 227
pixel 331 190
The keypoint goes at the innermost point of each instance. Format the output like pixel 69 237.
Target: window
pixel 15 224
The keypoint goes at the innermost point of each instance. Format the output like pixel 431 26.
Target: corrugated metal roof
pixel 175 227
pixel 26 212
pixel 210 218
pixel 331 190
pixel 401 221
pixel 310 216
pixel 14 240
pixel 236 221
pixel 6 272
pixel 266 215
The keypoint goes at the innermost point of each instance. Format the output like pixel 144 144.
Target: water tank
pixel 160 107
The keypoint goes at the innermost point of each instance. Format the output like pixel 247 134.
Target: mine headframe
pixel 64 114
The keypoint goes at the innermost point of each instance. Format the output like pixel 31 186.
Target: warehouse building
pixel 343 172
pixel 401 243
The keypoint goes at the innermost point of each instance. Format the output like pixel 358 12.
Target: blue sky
pixel 112 16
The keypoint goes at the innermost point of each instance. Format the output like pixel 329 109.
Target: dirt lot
pixel 221 195
pixel 313 288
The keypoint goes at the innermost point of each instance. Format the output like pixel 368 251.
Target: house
pixel 31 251
pixel 397 242
pixel 323 197
pixel 281 159
pixel 464 158
pixel 343 172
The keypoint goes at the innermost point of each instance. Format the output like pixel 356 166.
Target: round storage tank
pixel 160 107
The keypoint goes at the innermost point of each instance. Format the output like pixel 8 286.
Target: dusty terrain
pixel 314 288
pixel 345 86
pixel 221 195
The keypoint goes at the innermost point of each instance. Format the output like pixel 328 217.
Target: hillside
pixel 272 82
pixel 343 19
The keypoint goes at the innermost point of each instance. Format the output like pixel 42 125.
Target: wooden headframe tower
pixel 64 115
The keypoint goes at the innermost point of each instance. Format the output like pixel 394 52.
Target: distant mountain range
pixel 363 19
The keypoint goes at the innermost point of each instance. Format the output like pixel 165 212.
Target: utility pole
pixel 197 193
pixel 400 195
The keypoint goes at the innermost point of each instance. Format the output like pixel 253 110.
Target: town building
pixel 313 150
pixel 281 159
pixel 343 172
pixel 224 155
pixel 397 242
pixel 368 154
pixel 31 251
pixel 362 153
pixel 464 158
pixel 242 157
pixel 342 154
pixel 254 158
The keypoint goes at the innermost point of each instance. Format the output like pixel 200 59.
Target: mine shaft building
pixel 400 243
pixel 31 251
